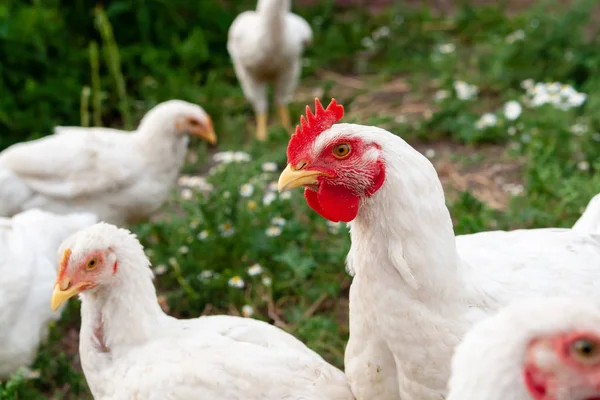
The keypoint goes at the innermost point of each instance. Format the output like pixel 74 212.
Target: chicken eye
pixel 584 349
pixel 194 122
pixel 341 151
pixel 93 263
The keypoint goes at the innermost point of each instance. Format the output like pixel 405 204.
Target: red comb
pixel 314 124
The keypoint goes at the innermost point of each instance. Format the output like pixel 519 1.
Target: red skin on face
pixel 542 384
pixel 338 195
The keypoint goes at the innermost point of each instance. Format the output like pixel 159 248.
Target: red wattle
pixel 335 203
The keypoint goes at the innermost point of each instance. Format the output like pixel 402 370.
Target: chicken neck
pixel 159 142
pixel 406 225
pixel 272 14
pixel 123 314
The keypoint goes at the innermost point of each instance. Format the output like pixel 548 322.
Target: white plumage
pixel 417 289
pixel 266 46
pixel 130 349
pixel 534 340
pixel 120 176
pixel 28 243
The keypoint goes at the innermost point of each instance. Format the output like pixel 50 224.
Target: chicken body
pixel 537 349
pixel 130 349
pixel 266 46
pixel 28 243
pixel 417 288
pixel 119 176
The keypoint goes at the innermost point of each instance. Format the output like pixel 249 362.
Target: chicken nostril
pixel 301 165
pixel 65 284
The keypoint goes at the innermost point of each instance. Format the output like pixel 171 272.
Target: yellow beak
pixel 59 296
pixel 291 178
pixel 209 135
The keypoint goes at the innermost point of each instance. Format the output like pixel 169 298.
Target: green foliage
pixel 61 61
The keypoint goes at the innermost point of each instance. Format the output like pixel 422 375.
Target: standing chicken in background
pixel 130 349
pixel 539 349
pixel 28 244
pixel 266 46
pixel 120 176
pixel 417 289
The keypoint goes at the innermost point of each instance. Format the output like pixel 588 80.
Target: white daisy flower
pixel 583 165
pixel 441 95
pixel 430 153
pixel 269 198
pixel 515 36
pixel 487 120
pixel 278 221
pixel 513 189
pixel 285 195
pixel 367 42
pixel 512 110
pixel 187 194
pixel 247 311
pixel 579 129
pixel 446 48
pixel 246 190
pixel 173 261
pixel 184 249
pixel 240 156
pixel 160 269
pixel 465 91
pixel 273 231
pixel 381 32
pixel 527 84
pixel 203 234
pixel 236 282
pixel 224 157
pixel 266 281
pixel 205 274
pixel 184 180
pixel 254 270
pixel 226 229
pixel 269 167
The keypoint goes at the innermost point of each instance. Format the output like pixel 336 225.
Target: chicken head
pixel 182 118
pixel 337 165
pixel 82 267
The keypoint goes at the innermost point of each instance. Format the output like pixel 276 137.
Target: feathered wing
pixel 59 130
pixel 13 192
pixel 28 244
pixel 73 164
pixel 300 28
pixel 214 366
pixel 500 267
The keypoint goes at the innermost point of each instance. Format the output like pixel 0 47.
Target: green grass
pixel 160 50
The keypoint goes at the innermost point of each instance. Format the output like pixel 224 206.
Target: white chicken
pixel 28 244
pixel 417 288
pixel 119 176
pixel 539 349
pixel 265 46
pixel 130 349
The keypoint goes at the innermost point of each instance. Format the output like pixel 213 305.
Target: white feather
pixel 28 244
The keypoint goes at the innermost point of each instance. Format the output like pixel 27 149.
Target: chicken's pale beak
pixel 59 296
pixel 207 134
pixel 291 178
